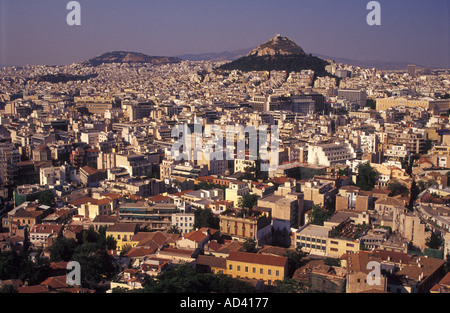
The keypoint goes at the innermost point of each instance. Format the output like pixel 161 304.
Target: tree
pixel 332 262
pixel 15 265
pixel 184 279
pixel 249 245
pixel 62 249
pixel 290 285
pixel 205 218
pixel 46 198
pixel 248 201
pixel 295 259
pixel 174 230
pixel 434 241
pixel 397 188
pixel 414 193
pixel 319 215
pixel 367 177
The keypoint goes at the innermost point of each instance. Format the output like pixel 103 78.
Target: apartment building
pixel 236 190
pixel 312 239
pixel 240 227
pixel 122 233
pixel 327 154
pixel 184 222
pixel 267 268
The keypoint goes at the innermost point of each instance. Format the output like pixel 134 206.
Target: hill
pixel 278 54
pixel 129 57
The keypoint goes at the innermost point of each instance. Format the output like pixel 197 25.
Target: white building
pixel 312 239
pixel 184 222
pixel 52 175
pixel 397 152
pixel 330 153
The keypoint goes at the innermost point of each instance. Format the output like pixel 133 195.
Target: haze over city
pixel 35 33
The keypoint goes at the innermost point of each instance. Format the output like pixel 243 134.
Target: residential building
pixel 268 268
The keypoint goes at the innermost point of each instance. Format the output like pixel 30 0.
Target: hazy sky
pixel 36 32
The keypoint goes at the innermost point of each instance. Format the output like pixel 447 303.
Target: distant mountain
pixel 278 54
pixel 129 57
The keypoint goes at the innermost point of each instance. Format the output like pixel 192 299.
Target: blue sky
pixel 36 32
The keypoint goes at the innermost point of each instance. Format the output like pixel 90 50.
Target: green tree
pixel 14 265
pixel 434 241
pixel 290 285
pixel 319 215
pixel 205 218
pixel 174 230
pixel 295 259
pixel 397 188
pixel 332 262
pixel 367 177
pixel 248 201
pixel 184 279
pixel 62 249
pixel 46 198
pixel 249 245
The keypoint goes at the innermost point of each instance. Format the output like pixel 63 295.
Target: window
pixel 239 268
pixel 270 272
pixel 246 269
pixel 230 267
pixel 350 245
pixel 261 271
pixel 277 273
pixel 254 270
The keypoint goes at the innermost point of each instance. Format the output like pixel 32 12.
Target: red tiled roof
pixel 158 198
pixel 33 289
pixel 254 258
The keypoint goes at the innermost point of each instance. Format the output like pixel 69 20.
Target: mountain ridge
pixel 129 57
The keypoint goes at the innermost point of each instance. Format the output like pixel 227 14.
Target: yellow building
pixel 336 247
pixel 441 150
pixel 236 190
pixel 436 106
pixel 123 234
pixel 267 268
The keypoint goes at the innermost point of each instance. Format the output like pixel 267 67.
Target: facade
pixel 268 268
pixel 122 233
pixel 330 153
pixel 312 239
pixel 184 222
pixel 357 96
pixel 236 190
pixel 240 227
pixel 435 106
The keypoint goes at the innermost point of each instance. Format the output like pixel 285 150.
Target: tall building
pixel 9 158
pixel 357 96
pixel 412 70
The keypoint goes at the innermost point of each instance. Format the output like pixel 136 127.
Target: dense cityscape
pixel 358 202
